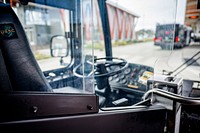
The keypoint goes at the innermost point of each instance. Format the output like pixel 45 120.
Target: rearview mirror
pixel 59 46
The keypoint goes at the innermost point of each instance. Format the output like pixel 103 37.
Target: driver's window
pixel 59 35
pixel 41 23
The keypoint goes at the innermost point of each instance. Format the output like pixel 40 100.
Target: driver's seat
pixel 19 70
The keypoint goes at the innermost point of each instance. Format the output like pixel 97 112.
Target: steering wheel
pixel 103 67
pixel 102 70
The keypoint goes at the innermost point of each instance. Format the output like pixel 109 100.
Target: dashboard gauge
pixel 110 78
pixel 135 69
pixel 127 71
pixel 117 80
pixel 115 76
pixel 122 76
pixel 133 75
pixel 124 81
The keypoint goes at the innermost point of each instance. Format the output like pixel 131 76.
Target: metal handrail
pixel 178 98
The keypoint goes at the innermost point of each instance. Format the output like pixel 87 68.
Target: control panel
pixel 134 76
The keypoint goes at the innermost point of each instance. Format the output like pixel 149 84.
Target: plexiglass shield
pixel 117 50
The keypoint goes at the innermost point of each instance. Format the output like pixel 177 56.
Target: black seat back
pixel 19 68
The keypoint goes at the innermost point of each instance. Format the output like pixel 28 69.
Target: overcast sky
pixel 155 11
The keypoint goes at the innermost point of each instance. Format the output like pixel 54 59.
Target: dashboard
pixel 133 77
pixel 129 86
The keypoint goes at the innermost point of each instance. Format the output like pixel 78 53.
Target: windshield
pixel 157 36
pixel 112 48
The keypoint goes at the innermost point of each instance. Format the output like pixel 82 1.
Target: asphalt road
pixel 154 56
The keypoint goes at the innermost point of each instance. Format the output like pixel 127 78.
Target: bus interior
pixel 91 79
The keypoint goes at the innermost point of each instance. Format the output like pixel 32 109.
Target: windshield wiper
pixel 189 62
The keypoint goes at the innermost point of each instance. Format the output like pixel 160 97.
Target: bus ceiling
pixel 69 4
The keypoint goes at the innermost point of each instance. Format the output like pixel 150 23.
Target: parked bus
pixel 166 35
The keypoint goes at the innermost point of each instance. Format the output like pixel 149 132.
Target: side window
pixel 41 23
pixel 61 39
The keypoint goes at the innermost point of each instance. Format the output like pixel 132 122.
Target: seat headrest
pixel 23 71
